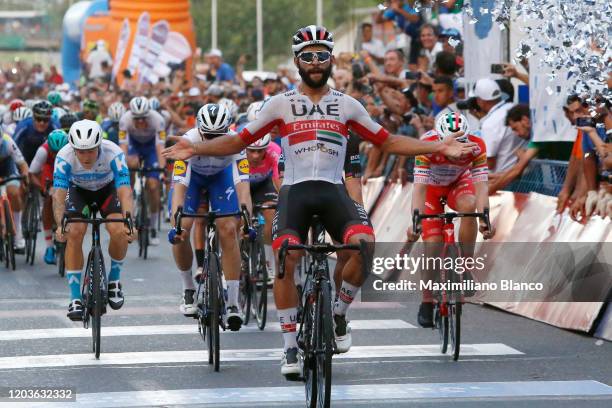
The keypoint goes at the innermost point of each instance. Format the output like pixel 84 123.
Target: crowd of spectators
pixel 404 82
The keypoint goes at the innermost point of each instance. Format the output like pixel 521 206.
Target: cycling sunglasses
pixel 309 56
pixel 43 119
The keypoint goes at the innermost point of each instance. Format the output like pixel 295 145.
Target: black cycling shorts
pixel 341 216
pixel 263 191
pixel 80 200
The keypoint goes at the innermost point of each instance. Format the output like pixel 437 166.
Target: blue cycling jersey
pixel 28 139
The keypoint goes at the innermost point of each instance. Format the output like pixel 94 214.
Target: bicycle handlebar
pixel 320 248
pixel 265 206
pixel 97 221
pixel 210 217
pixel 9 179
pixel 448 217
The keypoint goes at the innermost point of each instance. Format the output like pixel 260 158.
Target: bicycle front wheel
pixel 325 346
pixel 259 286
pixel 9 241
pixel 98 300
pixel 441 316
pixel 61 266
pixel 246 272
pixel 454 315
pixel 213 310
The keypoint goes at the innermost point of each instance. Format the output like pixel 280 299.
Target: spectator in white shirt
pixel 374 47
pixel 431 47
pixel 501 142
pixel 95 59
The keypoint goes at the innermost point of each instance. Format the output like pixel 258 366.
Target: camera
pixel 414 76
pixel 468 104
pixel 585 122
pixel 497 69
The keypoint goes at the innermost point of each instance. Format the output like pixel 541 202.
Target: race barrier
pixel 517 217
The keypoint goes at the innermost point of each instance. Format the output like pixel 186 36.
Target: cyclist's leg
pixel 199 232
pixel 347 222
pixel 77 201
pixel 153 187
pixel 182 252
pixel 47 216
pixel 462 198
pixel 290 223
pixel 132 160
pixel 110 207
pixel 13 191
pixel 223 199
pixel 265 193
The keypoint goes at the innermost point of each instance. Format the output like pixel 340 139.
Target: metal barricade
pixel 541 176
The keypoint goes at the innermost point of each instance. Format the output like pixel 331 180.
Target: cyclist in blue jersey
pixel 32 132
pixel 87 171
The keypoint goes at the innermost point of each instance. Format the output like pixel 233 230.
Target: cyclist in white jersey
pixel 91 170
pixel 313 121
pixel 142 136
pixel 226 180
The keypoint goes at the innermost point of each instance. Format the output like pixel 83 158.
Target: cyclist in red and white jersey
pixel 461 183
pixel 313 122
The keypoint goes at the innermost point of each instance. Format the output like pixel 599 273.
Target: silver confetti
pixel 453 42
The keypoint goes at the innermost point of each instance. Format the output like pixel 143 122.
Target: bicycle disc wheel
pixel 214 306
pixel 455 328
pixel 259 287
pixel 97 300
pixel 325 347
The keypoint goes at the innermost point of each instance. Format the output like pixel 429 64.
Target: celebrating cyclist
pixel 88 171
pixel 461 183
pixel 226 181
pixel 142 137
pixel 41 175
pixel 314 122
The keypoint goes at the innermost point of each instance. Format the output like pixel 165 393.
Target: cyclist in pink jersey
pixel 264 178
pixel 313 121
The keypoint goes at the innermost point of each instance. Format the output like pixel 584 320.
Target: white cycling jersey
pixel 9 149
pixel 109 166
pixel 210 165
pixel 154 132
pixel 314 136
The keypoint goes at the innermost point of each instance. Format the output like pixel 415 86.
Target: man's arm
pixel 59 205
pixel 124 193
pixel 514 172
pixel 412 147
pixel 243 190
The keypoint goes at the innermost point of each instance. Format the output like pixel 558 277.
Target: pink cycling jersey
pixel 268 166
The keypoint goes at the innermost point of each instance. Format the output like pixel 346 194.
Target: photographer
pixel 502 144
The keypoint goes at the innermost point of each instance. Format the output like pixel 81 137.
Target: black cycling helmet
pixel 67 120
pixel 42 109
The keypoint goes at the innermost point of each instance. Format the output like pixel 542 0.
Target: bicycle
pixel 210 296
pixel 30 222
pixel 95 284
pixel 7 225
pixel 315 337
pixel 316 235
pixel 448 305
pixel 142 221
pixel 254 278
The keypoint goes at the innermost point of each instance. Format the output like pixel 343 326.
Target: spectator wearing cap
pixel 453 35
pixel 373 46
pixel 95 59
pixel 214 93
pixel 501 142
pixel 218 70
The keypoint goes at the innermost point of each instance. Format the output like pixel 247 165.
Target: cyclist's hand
pixel 174 237
pixel 132 234
pixel 486 233
pixel 453 149
pixel 412 237
pixel 59 236
pixel 182 150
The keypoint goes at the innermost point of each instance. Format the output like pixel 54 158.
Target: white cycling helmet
pixel 253 110
pixel 230 105
pixel 452 122
pixel 154 103
pixel 213 119
pixel 261 144
pixel 116 111
pixel 21 113
pixel 85 134
pixel 139 105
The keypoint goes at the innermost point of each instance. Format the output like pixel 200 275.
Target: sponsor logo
pixel 122 134
pixel 180 168
pixel 162 135
pixel 243 166
pixel 319 147
pixel 332 109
